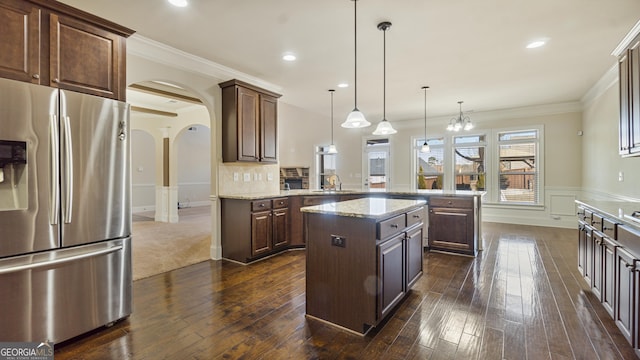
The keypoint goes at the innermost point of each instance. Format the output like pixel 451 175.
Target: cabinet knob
pixel 56 80
pixel 36 76
pixel 449 202
pixel 395 226
pixel 261 205
pixel 599 242
pixel 416 216
pixel 595 222
pixel 630 266
pixel 605 228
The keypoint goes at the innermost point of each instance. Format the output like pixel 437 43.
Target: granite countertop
pixel 619 210
pixel 307 192
pixel 371 208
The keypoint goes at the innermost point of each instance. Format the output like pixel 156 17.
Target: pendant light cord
pixel 384 74
pixel 355 53
pixel 331 91
pixel 425 112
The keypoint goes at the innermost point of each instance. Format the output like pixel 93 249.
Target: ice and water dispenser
pixel 13 175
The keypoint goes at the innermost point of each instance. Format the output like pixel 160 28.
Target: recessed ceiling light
pixel 288 57
pixel 536 44
pixel 179 3
pixel 343 85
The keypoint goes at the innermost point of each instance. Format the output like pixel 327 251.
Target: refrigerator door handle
pixel 17 268
pixel 68 176
pixel 54 172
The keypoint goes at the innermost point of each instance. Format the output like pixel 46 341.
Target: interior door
pixel 95 171
pixel 28 189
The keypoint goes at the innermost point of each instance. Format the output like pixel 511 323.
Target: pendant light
pixel 355 119
pixel 332 147
pixel 425 146
pixel 461 122
pixel 384 127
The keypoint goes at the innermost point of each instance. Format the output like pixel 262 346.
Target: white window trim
pixel 492 197
pixel 492 154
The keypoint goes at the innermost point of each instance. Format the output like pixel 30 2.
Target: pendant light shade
pixel 355 119
pixel 332 147
pixel 425 147
pixel 384 127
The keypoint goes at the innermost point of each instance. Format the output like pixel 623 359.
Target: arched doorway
pixel 170 128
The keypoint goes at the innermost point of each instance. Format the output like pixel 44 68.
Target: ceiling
pixel 464 50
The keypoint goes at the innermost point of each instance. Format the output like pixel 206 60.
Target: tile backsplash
pixel 239 178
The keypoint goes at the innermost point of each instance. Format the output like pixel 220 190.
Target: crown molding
pixel 626 41
pixel 607 80
pixel 498 114
pixel 158 52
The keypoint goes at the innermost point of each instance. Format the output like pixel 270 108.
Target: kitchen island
pixel 363 256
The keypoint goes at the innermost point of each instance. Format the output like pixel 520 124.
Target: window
pixel 430 170
pixel 326 165
pixel 518 171
pixel 469 162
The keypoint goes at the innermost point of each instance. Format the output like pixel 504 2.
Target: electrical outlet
pixel 620 176
pixel 338 241
pixel 236 176
pixel 247 177
pixel 269 177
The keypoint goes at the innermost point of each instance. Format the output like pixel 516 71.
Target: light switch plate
pixel 247 177
pixel 236 176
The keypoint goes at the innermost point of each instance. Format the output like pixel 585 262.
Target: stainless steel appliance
pixel 65 218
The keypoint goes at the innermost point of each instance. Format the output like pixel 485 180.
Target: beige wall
pixel 600 150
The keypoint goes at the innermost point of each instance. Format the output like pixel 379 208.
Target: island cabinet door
pixel 391 274
pixel 261 232
pixel 414 255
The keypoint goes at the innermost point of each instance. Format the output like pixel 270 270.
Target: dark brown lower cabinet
pixel 252 229
pixel 392 269
pixel 452 225
pixel 582 247
pixel 588 263
pixel 596 264
pixel 608 275
pixel 261 229
pixel 414 255
pixel 626 288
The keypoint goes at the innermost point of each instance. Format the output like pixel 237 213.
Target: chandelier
pixel 462 122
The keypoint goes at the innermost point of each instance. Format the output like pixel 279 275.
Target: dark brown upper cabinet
pixel 49 43
pixel 249 123
pixel 629 70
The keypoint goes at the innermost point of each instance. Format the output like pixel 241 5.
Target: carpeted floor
pixel 159 247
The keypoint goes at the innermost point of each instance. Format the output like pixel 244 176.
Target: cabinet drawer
pixel 280 203
pixel 260 205
pixel 610 228
pixel 630 239
pixel 415 216
pixel 454 202
pixel 392 226
pixel 588 216
pixel 596 221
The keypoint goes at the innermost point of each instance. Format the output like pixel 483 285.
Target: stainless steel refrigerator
pixel 65 218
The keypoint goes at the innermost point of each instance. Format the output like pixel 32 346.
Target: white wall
pixel 193 146
pixel 600 150
pixel 143 170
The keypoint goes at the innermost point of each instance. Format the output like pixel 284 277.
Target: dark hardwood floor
pixel 521 298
